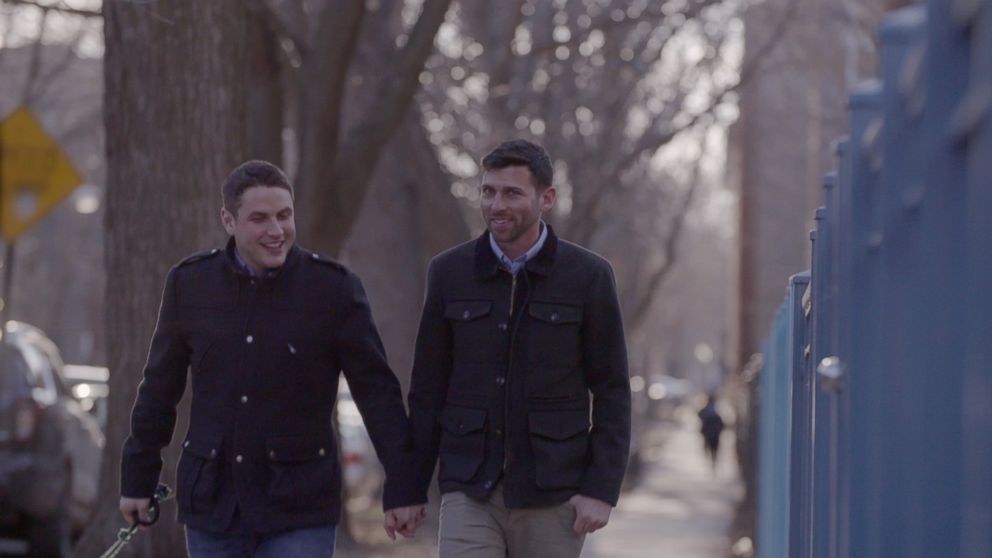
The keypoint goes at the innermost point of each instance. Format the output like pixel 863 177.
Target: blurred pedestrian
pixel 519 328
pixel 263 327
pixel 711 426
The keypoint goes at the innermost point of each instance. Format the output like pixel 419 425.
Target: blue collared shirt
pixel 513 266
pixel 247 269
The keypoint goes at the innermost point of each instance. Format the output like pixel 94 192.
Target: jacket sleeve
pixel 153 417
pixel 377 394
pixel 605 363
pixel 432 365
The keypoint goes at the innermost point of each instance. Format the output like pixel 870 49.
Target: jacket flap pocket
pixel 465 310
pixel 296 449
pixel 559 425
pixel 555 313
pixel 463 420
pixel 203 447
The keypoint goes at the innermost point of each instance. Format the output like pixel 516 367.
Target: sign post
pixel 35 175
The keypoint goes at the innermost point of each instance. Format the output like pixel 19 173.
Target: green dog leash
pixel 162 493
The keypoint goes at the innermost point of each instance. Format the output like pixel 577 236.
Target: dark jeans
pixel 303 543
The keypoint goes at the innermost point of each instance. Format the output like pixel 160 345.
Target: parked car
pixel 89 386
pixel 50 448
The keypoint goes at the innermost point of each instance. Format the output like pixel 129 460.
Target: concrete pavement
pixel 681 509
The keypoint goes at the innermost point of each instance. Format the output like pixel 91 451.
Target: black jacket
pixel 505 395
pixel 264 356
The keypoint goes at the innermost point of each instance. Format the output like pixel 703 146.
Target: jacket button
pixel 502 326
pixel 272 454
pixel 466 315
pixel 554 317
pixel 500 380
pixel 213 453
pixel 244 398
pixel 238 458
pixel 489 484
pixel 249 339
pixel 186 444
pixel 321 452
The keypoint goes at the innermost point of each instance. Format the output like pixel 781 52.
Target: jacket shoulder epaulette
pixel 192 258
pixel 324 260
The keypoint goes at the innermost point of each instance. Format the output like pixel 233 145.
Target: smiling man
pixel 520 377
pixel 264 327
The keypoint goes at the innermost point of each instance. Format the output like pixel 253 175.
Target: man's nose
pixel 498 202
pixel 274 228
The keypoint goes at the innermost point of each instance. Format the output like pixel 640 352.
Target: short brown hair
pixel 247 175
pixel 522 153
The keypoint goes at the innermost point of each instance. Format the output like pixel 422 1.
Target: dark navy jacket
pixel 522 380
pixel 264 356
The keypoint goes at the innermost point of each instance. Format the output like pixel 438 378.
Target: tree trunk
pixel 335 168
pixel 175 122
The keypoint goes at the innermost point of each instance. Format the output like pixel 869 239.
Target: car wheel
pixel 49 537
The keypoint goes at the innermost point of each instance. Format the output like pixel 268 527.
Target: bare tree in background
pixel 604 85
pixel 339 143
pixel 44 64
pixel 175 125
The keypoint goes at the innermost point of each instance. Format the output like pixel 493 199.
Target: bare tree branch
pixel 60 8
pixel 322 85
pixel 281 26
pixel 364 141
pixel 45 82
pixel 34 65
pixel 670 251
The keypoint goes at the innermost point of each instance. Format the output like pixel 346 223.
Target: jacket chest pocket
pixel 463 443
pixel 473 330
pixel 555 329
pixel 303 472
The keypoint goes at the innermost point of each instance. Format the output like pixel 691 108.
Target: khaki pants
pixel 476 529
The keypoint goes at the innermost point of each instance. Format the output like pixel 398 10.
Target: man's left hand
pixel 590 514
pixel 405 520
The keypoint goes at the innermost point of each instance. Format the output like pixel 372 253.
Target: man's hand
pixel 405 520
pixel 590 514
pixel 140 506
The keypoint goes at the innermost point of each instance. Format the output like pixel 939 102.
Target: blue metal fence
pixel 875 421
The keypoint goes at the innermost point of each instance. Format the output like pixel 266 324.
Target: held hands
pixel 590 514
pixel 140 507
pixel 405 520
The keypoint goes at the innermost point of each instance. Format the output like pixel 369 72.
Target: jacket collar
pixel 487 265
pixel 231 258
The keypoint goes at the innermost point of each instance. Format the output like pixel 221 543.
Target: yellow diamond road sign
pixel 35 175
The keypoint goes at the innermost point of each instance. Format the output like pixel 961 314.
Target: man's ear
pixel 228 220
pixel 548 197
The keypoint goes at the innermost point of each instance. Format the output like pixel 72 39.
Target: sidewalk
pixel 681 509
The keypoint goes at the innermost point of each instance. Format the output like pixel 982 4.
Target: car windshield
pixel 15 377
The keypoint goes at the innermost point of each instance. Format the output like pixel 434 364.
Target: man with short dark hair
pixel 520 344
pixel 264 328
